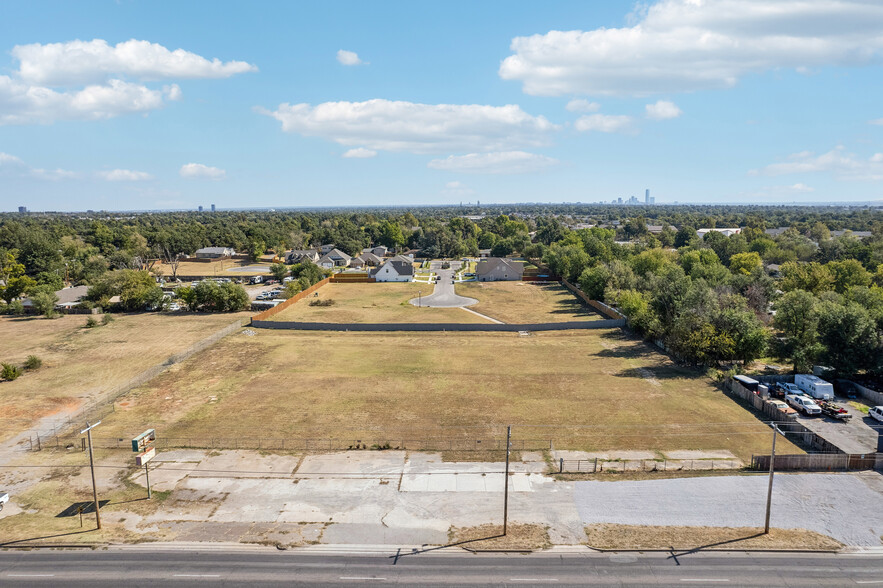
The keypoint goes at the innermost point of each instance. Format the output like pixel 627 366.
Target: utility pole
pixel 506 480
pixel 147 477
pixel 769 495
pixel 88 431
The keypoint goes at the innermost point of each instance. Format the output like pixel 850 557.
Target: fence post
pixel 560 465
pixel 595 468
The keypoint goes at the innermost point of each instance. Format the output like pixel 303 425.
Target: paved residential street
pixel 160 566
pixel 444 295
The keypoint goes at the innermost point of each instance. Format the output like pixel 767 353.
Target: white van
pixel 876 413
pixel 814 386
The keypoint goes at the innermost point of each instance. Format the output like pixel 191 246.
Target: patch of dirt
pixel 518 537
pixel 611 536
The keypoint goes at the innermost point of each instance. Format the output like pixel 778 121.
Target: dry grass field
pixel 599 389
pixel 222 268
pixel 80 363
pixel 526 302
pixel 386 302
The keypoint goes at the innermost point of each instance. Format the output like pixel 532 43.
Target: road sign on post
pixel 142 441
pixel 143 446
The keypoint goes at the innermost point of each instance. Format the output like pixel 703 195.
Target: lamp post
pixel 419 298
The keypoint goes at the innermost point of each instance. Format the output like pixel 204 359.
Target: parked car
pixel 804 404
pixel 4 498
pixel 783 407
pixel 876 413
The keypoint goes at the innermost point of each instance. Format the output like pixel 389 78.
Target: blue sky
pixel 121 105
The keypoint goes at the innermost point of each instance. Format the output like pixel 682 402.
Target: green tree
pixel 812 277
pixel 745 263
pixel 848 273
pixel 850 338
pixel 279 271
pixel 43 299
pixel 13 281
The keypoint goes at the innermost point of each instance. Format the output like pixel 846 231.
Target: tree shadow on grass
pixel 657 373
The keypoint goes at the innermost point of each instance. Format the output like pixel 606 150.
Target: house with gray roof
pixel 398 269
pixel 499 269
pixel 301 255
pixel 334 258
pixel 370 259
pixel 215 252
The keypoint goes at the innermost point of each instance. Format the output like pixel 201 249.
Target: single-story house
pixel 484 252
pixel 498 269
pixel 728 232
pixel 357 263
pixel 215 253
pixel 370 259
pixel 775 232
pixel 300 255
pixel 334 258
pixel 67 298
pixel 856 234
pixel 379 251
pixel 397 269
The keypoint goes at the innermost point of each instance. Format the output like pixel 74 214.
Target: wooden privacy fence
pixel 594 466
pixel 344 278
pixel 819 462
pixel 607 311
pixel 261 316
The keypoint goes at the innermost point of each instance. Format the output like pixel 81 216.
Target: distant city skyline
pixel 114 106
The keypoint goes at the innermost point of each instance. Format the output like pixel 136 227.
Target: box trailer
pixel 749 383
pixel 814 386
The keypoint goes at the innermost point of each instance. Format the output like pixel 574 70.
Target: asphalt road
pixel 159 567
pixel 444 296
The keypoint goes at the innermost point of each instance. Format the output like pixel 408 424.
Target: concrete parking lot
pixel 858 435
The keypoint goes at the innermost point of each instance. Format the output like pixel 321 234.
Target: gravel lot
pixel 846 507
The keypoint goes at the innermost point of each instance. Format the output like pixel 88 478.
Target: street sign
pixel 142 458
pixel 141 442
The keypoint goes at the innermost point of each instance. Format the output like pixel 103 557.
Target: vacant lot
pixel 222 268
pixel 590 390
pixel 373 303
pixel 526 302
pixel 80 363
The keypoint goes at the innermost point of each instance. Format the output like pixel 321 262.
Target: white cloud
pixel 663 110
pixel 349 58
pixel 21 104
pixel 84 62
pixel 605 123
pixel 686 45
pixel 200 171
pixel 124 175
pixel 582 105
pixel 13 166
pixel 9 161
pixel 360 153
pixel 838 162
pixel 385 125
pixel 501 162
pixel 86 80
pixel 798 187
pixel 53 175
pixel 457 189
pixel 876 121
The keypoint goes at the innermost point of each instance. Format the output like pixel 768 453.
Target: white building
pixel 397 269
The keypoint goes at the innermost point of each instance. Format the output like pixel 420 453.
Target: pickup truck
pixel 803 404
pixel 832 410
